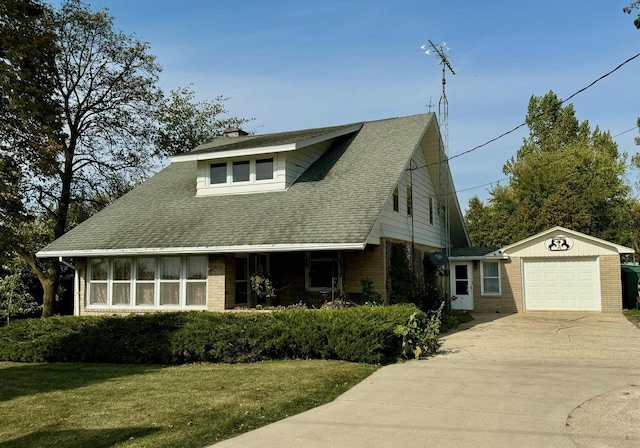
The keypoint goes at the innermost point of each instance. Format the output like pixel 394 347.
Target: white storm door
pixel 462 286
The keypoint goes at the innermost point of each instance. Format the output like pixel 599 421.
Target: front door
pixel 462 286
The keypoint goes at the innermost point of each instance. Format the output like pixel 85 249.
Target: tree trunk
pixel 49 287
pixel 48 299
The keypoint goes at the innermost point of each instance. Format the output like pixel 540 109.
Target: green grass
pixel 193 405
pixel 453 319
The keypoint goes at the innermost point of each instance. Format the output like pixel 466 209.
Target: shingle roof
pixel 472 251
pixel 337 200
pixel 257 141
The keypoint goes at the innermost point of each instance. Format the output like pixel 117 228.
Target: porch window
pixel 322 269
pixel 98 281
pixel 145 281
pixel 490 278
pixel 172 282
pixel 197 268
pixel 121 287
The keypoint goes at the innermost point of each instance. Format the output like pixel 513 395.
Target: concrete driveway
pixel 526 380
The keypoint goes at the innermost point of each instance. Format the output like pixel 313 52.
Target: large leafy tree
pixel 83 121
pixel 564 174
pixel 103 86
pixel 185 123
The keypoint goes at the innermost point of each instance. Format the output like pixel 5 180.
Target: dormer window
pixel 218 173
pixel 264 169
pixel 241 171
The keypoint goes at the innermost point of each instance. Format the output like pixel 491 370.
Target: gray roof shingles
pixel 337 200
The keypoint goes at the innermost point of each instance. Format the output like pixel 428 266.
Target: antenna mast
pixel 443 156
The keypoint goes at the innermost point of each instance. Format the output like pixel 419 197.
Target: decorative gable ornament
pixel 559 243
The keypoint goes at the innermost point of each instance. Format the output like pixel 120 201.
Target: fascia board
pixel 202 250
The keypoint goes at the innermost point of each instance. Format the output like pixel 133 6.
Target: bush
pixel 375 335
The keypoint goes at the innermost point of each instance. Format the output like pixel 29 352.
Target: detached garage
pixel 556 270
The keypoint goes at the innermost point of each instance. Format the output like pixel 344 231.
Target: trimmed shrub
pixel 374 335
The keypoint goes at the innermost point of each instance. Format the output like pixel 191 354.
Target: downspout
pixel 76 286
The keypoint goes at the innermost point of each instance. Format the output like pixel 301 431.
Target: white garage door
pixel 554 284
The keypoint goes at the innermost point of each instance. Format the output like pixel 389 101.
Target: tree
pixel 630 8
pixel 186 123
pixel 563 174
pixel 104 88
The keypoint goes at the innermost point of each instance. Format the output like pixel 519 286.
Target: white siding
pixel 298 161
pixel 582 247
pixel 397 225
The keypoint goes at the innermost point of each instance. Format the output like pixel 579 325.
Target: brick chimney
pixel 235 132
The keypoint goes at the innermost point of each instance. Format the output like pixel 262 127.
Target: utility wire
pixel 624 132
pixel 483 185
pixel 535 117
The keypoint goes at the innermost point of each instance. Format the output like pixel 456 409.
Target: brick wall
pixel 369 263
pixel 510 299
pixel 216 283
pixel 610 283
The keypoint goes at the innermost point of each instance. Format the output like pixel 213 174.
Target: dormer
pixel 240 163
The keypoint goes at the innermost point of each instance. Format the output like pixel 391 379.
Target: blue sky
pixel 299 64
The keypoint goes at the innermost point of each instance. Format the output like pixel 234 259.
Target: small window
pixel 264 169
pixel 218 173
pixel 396 200
pixel 491 278
pixel 322 270
pixel 241 171
pixel 409 201
pixel 430 210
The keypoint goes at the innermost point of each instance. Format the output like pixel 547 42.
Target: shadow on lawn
pixel 72 438
pixel 29 379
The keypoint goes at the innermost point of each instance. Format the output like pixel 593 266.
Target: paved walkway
pixel 526 380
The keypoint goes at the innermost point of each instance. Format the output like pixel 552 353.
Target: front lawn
pixel 192 405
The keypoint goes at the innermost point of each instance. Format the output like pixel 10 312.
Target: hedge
pixel 375 335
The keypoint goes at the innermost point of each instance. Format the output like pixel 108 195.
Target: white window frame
pixel 252 172
pixel 182 303
pixel 101 282
pixel 482 278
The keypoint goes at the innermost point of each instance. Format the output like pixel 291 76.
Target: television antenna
pixel 440 51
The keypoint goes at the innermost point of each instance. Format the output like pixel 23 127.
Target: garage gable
pixel 562 242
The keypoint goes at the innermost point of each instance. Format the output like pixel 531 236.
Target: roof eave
pixel 201 250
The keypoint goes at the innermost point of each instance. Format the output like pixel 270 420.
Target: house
pixel 558 269
pixel 315 209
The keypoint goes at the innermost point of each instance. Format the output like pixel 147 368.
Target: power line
pixel 475 148
pixel 483 185
pixel 624 132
